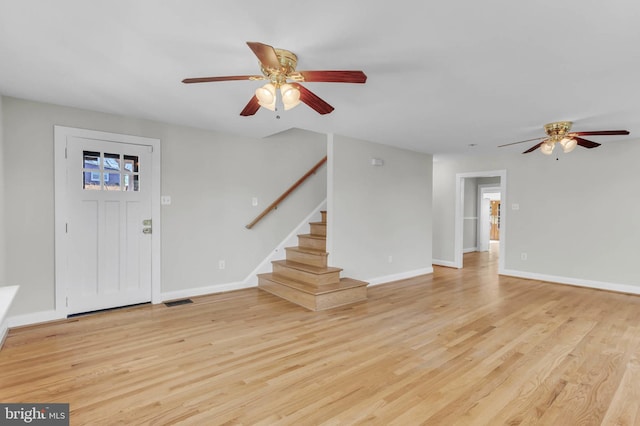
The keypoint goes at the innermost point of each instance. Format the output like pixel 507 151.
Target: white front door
pixel 109 224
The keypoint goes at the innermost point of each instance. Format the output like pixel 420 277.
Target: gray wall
pixel 211 178
pixel 2 203
pixel 577 217
pixel 379 211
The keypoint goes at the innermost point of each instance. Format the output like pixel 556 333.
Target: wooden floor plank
pixel 454 347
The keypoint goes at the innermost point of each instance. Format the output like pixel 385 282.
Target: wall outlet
pixel 523 256
pixel 165 200
pixel 222 264
pixel 515 206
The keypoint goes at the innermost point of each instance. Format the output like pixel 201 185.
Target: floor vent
pixel 178 302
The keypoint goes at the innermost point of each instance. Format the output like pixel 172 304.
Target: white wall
pixel 213 201
pixel 379 212
pixel 2 203
pixel 577 219
pixel 211 178
pixel 470 215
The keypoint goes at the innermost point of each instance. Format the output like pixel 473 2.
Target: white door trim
pixel 61 133
pixel 459 217
pixel 330 198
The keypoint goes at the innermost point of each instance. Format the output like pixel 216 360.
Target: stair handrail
pixel 286 193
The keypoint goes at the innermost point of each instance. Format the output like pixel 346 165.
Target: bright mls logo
pixel 34 414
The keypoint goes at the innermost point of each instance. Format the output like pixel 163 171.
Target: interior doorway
pixel 466 202
pixel 489 209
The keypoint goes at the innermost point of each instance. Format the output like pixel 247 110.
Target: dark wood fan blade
pixel 252 107
pixel 533 148
pixel 601 133
pixel 585 143
pixel 227 78
pixel 515 143
pixel 266 54
pixel 311 99
pixel 334 76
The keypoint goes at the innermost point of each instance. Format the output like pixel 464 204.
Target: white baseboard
pixel 47 316
pixel 35 318
pixel 4 330
pixel 400 276
pixel 7 294
pixel 201 291
pixel 289 241
pixel 446 263
pixel 470 250
pixel 600 285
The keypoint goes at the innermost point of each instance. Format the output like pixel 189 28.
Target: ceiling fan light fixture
pixel 267 96
pixel 547 147
pixel 290 96
pixel 568 144
pixel 279 66
pixel 559 132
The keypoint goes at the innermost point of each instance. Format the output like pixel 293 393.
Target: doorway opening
pixel 489 209
pixel 480 218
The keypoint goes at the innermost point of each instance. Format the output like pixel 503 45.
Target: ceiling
pixel 441 74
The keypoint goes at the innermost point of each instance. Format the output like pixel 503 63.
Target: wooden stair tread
pixel 344 284
pixel 314 236
pixel 308 250
pixel 351 282
pixel 304 277
pixel 317 270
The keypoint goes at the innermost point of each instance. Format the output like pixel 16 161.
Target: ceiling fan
pixel 278 66
pixel 558 132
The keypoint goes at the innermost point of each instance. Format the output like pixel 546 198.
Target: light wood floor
pixel 455 347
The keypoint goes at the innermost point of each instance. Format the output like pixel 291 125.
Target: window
pixel 110 172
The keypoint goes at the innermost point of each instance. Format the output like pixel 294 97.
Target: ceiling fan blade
pixel 252 107
pixel 334 76
pixel 515 143
pixel 601 133
pixel 266 54
pixel 533 148
pixel 227 78
pixel 585 143
pixel 311 99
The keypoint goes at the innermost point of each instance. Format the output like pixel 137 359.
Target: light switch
pixel 254 201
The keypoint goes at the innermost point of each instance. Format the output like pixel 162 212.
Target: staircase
pixel 306 279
